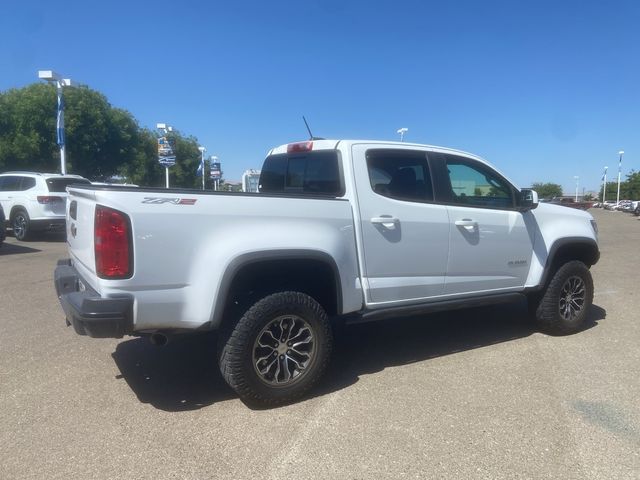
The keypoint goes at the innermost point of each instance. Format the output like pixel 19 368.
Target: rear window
pixel 313 173
pixel 60 184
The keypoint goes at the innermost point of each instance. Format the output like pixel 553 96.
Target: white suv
pixel 35 202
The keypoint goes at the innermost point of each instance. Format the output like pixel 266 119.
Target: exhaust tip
pixel 159 339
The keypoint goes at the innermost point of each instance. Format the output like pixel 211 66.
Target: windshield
pixel 60 185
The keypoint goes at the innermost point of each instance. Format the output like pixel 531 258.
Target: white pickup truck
pixel 341 230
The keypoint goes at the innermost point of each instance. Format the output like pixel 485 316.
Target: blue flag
pixel 60 121
pixel 200 170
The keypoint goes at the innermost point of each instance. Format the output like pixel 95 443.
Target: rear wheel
pixel 563 307
pixel 20 225
pixel 278 350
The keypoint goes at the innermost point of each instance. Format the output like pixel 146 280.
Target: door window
pixel 27 183
pixel 400 174
pixel 10 184
pixel 472 184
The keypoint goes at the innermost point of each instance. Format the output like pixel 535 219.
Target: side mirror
pixel 528 199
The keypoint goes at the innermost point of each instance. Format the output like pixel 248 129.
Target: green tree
pixel 630 188
pixel 27 129
pixel 547 190
pixel 100 139
pixel 612 191
pixel 144 168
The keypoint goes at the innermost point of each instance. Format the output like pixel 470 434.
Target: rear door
pixel 404 235
pixel 9 188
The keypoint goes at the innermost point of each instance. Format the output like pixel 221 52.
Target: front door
pixel 490 245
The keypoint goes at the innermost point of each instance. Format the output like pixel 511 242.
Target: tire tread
pixel 234 345
pixel 547 314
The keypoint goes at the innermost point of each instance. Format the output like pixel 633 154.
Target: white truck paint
pixel 386 252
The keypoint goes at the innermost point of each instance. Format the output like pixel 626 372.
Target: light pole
pixel 202 150
pixel 402 131
pixel 167 157
pixel 577 179
pixel 53 77
pixel 604 185
pixel 621 152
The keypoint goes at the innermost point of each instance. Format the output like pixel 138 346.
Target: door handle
pixel 387 222
pixel 466 222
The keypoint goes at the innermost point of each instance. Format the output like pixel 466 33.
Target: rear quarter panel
pixel 181 251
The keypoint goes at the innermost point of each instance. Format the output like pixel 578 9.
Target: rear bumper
pixel 47 224
pixel 88 312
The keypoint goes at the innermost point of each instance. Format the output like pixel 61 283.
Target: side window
pixel 10 184
pixel 400 174
pixel 475 185
pixel 27 183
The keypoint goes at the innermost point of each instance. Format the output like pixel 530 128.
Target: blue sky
pixel 543 90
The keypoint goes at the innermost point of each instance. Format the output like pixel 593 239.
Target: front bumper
pixel 88 312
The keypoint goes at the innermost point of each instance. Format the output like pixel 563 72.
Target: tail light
pixel 112 240
pixel 45 200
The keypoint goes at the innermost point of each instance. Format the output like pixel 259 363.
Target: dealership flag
pixel 60 121
pixel 200 170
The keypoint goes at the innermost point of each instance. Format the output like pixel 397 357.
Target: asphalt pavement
pixel 475 394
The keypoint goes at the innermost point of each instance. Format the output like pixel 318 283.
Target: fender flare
pixel 252 258
pixel 553 252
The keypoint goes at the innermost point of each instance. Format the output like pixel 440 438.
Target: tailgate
pixel 81 206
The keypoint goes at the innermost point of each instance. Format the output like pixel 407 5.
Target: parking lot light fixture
pixel 402 131
pixel 53 77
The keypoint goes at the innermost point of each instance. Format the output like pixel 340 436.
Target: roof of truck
pixel 332 144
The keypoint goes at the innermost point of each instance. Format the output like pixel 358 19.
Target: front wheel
pixel 563 307
pixel 278 350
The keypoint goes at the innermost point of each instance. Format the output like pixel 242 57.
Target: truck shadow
pixel 53 237
pixel 14 249
pixel 369 348
pixel 184 374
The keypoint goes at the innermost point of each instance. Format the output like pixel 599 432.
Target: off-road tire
pixel 551 312
pixel 236 349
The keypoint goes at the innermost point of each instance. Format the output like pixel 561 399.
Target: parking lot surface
pixel 471 394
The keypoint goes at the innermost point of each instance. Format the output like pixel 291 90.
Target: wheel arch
pixel 256 274
pixel 15 209
pixel 566 249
